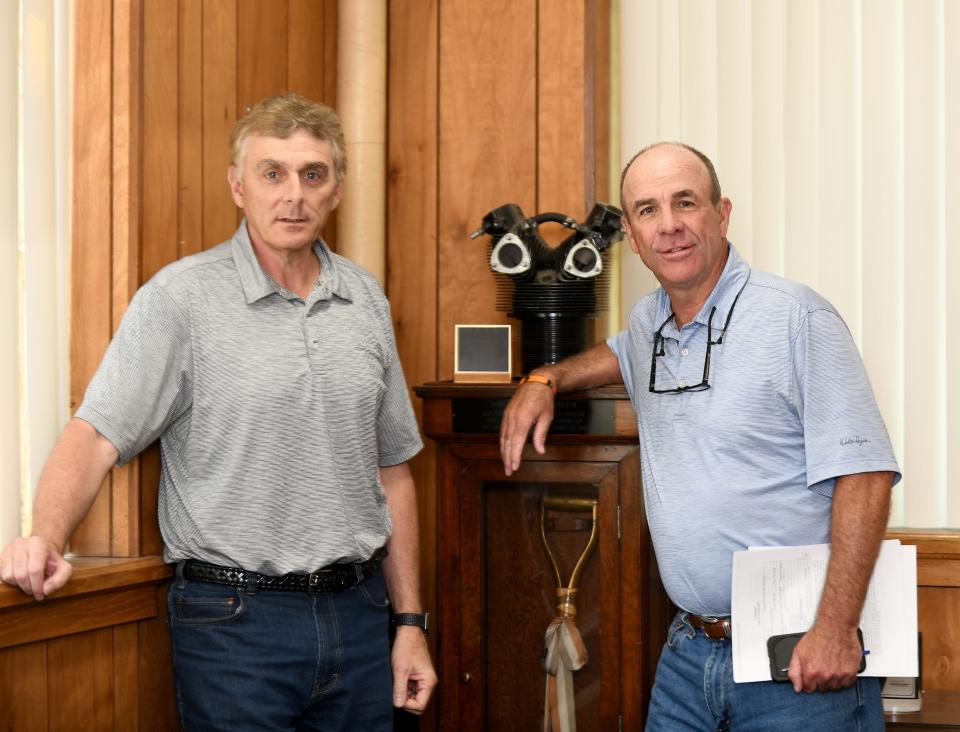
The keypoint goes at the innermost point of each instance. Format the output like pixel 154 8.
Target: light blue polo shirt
pixel 753 460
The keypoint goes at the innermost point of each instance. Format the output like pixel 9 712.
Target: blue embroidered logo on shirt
pixel 858 441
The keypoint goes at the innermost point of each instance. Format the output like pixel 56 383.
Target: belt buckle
pixel 333 581
pixel 712 620
pixel 313 581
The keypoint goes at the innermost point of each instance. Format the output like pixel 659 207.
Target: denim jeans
pixel 274 660
pixel 694 690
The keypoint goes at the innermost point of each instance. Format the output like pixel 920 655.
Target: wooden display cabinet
pixel 496 584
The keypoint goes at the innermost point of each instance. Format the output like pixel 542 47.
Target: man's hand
pixel 413 674
pixel 825 660
pixel 34 565
pixel 531 407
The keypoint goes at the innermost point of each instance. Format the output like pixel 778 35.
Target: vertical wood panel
pixel 158 709
pixel 487 153
pixel 23 698
pixel 91 259
pixel 126 697
pixel 305 55
pixel 330 52
pixel 261 51
pixel 190 128
pixel 599 103
pixel 412 241
pixel 124 526
pixel 80 682
pixel 126 154
pixel 90 323
pixel 940 639
pixel 562 146
pixel 160 137
pixel 599 73
pixel 219 113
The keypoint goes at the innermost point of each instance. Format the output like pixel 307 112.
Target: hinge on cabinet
pixel 619 527
pixel 619 723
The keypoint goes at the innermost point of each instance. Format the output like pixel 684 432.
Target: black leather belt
pixel 332 578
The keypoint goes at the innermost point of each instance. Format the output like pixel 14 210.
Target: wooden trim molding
pixel 938 603
pixel 95 574
pixel 94 656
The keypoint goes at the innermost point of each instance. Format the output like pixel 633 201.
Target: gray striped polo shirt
pixel 273 414
pixel 753 460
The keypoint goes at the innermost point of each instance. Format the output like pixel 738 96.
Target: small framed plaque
pixel 482 353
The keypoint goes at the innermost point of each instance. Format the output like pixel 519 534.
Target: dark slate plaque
pixel 570 416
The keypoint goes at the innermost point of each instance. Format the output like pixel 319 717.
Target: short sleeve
pixel 398 437
pixel 144 382
pixel 844 432
pixel 621 346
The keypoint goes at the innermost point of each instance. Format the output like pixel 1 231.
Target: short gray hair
pixel 281 116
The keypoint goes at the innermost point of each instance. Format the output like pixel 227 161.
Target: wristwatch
pixel 421 620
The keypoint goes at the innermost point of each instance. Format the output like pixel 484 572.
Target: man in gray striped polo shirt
pixel 267 368
pixel 757 426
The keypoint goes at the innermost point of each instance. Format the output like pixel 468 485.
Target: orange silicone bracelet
pixel 539 380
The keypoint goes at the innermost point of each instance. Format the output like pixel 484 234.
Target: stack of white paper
pixel 777 589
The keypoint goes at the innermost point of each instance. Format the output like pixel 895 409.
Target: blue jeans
pixel 694 690
pixel 273 660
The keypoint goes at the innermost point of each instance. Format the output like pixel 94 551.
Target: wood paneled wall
pixel 152 117
pixel 938 604
pixel 495 102
pixel 489 103
pixel 95 657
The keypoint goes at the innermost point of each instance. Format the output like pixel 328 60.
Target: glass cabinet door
pixel 510 581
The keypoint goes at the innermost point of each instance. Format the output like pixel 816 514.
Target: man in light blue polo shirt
pixel 757 427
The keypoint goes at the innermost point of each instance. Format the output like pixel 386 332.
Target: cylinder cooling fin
pixel 553 290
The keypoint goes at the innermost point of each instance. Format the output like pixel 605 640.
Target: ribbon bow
pixel 564 654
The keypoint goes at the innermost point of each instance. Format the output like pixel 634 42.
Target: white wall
pixel 833 126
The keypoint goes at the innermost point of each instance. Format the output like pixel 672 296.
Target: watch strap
pixel 420 620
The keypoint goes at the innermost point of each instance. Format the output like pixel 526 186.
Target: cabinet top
pixel 452 390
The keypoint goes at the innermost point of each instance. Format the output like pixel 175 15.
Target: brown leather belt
pixel 713 628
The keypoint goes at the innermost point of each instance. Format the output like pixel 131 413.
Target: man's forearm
pixel 402 565
pixel 861 507
pixel 70 480
pixel 594 367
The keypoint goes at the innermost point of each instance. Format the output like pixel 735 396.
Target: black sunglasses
pixel 658 350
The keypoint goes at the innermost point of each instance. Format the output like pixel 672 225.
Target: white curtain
pixel 34 248
pixel 835 129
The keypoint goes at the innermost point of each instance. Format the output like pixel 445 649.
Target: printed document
pixel 777 590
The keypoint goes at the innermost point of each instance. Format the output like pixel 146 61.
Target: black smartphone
pixel 780 650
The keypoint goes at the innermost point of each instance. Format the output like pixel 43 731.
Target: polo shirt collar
pixel 257 284
pixel 732 280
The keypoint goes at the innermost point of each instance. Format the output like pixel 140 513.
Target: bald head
pixel 715 193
